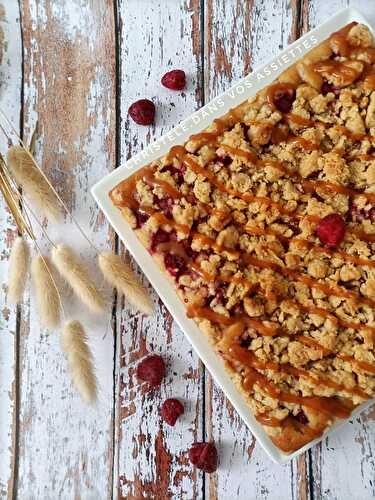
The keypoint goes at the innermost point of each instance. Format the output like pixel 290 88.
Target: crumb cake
pixel 265 223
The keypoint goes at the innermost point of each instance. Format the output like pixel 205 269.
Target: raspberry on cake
pixel 265 224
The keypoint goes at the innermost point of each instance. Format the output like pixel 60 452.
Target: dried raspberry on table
pixel 170 411
pixel 174 80
pixel 204 456
pixel 143 112
pixel 151 370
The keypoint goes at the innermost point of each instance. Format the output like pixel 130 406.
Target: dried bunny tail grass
pixel 47 295
pixel 32 180
pixel 119 274
pixel 74 344
pixel 74 271
pixel 18 270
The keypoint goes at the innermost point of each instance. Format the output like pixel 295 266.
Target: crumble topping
pixel 235 218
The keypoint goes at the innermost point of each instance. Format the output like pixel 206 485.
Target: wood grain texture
pixel 85 62
pixel 152 460
pixel 251 33
pixel 343 465
pixel 65 448
pixel 10 103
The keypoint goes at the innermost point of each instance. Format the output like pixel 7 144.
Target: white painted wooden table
pixel 76 65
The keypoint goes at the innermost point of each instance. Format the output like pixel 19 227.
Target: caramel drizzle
pixel 194 311
pixel 362 365
pixel 233 348
pixel 207 174
pixel 319 311
pixel 331 405
pixel 268 420
pixel 308 186
pixel 328 290
pixel 259 231
pixel 338 291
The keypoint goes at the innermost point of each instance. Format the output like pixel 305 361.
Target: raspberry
pixel 160 236
pixel 175 264
pixel 204 456
pixel 356 214
pixel 142 112
pixel 180 172
pixel 151 370
pixel 166 206
pixel 283 100
pixel 331 230
pixel 225 160
pixel 171 410
pixel 174 80
pixel 302 418
pixel 141 217
pixel 328 87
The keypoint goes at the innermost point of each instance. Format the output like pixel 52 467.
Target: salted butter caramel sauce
pixel 235 352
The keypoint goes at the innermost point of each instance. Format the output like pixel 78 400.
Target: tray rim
pixel 150 268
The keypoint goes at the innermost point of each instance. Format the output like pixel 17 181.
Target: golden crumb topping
pixel 265 224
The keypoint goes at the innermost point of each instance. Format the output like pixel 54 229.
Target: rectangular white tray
pixel 199 120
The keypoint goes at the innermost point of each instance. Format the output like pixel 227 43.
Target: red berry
pixel 174 80
pixel 331 230
pixel 143 112
pixel 151 370
pixel 283 100
pixel 302 418
pixel 328 87
pixel 160 236
pixel 171 410
pixel 204 456
pixel 175 264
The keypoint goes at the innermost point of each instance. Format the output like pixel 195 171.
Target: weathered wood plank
pixel 10 103
pixel 65 449
pixel 343 466
pixel 152 461
pixel 241 36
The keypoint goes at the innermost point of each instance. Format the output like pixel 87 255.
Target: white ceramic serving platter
pixel 199 120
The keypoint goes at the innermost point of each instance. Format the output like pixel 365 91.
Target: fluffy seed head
pixel 35 186
pixel 18 270
pixel 119 274
pixel 71 267
pixel 80 360
pixel 47 296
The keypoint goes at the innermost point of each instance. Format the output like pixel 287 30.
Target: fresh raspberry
pixel 160 236
pixel 186 244
pixel 283 100
pixel 151 370
pixel 219 296
pixel 175 264
pixel 179 172
pixel 204 456
pixel 141 217
pixel 328 87
pixel 171 410
pixel 225 160
pixel 356 214
pixel 166 206
pixel 174 80
pixel 143 112
pixel 302 418
pixel 331 230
